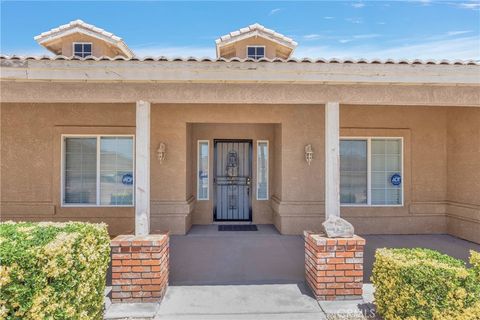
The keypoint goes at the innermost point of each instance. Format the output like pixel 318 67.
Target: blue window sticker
pixel 396 179
pixel 127 179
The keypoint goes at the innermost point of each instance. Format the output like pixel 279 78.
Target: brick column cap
pixel 145 240
pixel 320 239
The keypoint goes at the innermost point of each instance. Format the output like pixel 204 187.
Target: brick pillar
pixel 334 266
pixel 139 268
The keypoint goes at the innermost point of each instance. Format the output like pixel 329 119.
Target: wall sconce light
pixel 162 152
pixel 308 153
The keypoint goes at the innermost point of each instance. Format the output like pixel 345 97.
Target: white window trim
pixel 198 169
pixel 255 46
pixel 74 43
pixel 62 172
pixel 267 169
pixel 369 172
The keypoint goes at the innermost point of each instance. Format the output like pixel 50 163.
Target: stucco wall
pixel 425 163
pixel 99 47
pixel 174 207
pixel 31 155
pixel 463 192
pixel 442 153
pixel 203 212
pixel 272 49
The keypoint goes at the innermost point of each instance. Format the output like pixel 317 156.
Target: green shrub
pixel 53 270
pixel 424 284
pixel 475 262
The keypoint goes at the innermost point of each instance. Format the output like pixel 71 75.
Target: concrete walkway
pixel 260 275
pixel 240 302
pixel 270 301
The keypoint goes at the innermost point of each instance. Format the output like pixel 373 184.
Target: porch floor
pixel 206 256
pixel 268 272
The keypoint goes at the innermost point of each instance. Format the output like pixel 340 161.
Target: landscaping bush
pixel 53 270
pixel 425 284
pixel 475 262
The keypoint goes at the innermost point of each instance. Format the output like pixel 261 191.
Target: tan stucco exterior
pixel 463 174
pixel 170 123
pixel 30 159
pixel 234 44
pixel 60 40
pixel 239 49
pixel 440 163
pixel 202 213
pixel 439 122
pixel 64 46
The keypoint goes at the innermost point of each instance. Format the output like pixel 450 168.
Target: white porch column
pixel 332 160
pixel 142 169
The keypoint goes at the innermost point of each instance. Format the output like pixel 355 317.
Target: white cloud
pixel 358 5
pixel 312 36
pixel 358 37
pixel 366 36
pixel 175 51
pixel 424 2
pixel 474 5
pixel 464 48
pixel 456 33
pixel 328 18
pixel 354 20
pixel 274 11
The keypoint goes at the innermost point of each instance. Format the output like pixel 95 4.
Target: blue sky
pixel 329 29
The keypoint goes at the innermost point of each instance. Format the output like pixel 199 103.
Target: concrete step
pixel 107 302
pixel 135 311
pixel 256 316
pixel 239 301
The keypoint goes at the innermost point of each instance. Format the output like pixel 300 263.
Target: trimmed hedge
pixel 53 270
pixel 425 284
pixel 475 262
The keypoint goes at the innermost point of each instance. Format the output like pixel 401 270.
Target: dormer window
pixel 77 37
pixel 82 49
pixel 256 52
pixel 251 42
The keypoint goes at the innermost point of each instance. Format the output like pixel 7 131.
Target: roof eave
pixel 114 70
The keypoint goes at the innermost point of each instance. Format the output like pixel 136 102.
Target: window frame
pixel 257 184
pixel 82 43
pixel 62 172
pixel 369 171
pixel 198 170
pixel 256 46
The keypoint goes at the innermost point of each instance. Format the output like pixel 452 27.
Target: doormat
pixel 237 227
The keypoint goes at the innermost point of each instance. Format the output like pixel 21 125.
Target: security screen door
pixel 233 172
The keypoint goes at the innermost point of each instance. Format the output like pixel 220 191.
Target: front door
pixel 233 175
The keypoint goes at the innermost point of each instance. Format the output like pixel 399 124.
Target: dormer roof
pixel 255 30
pixel 78 26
